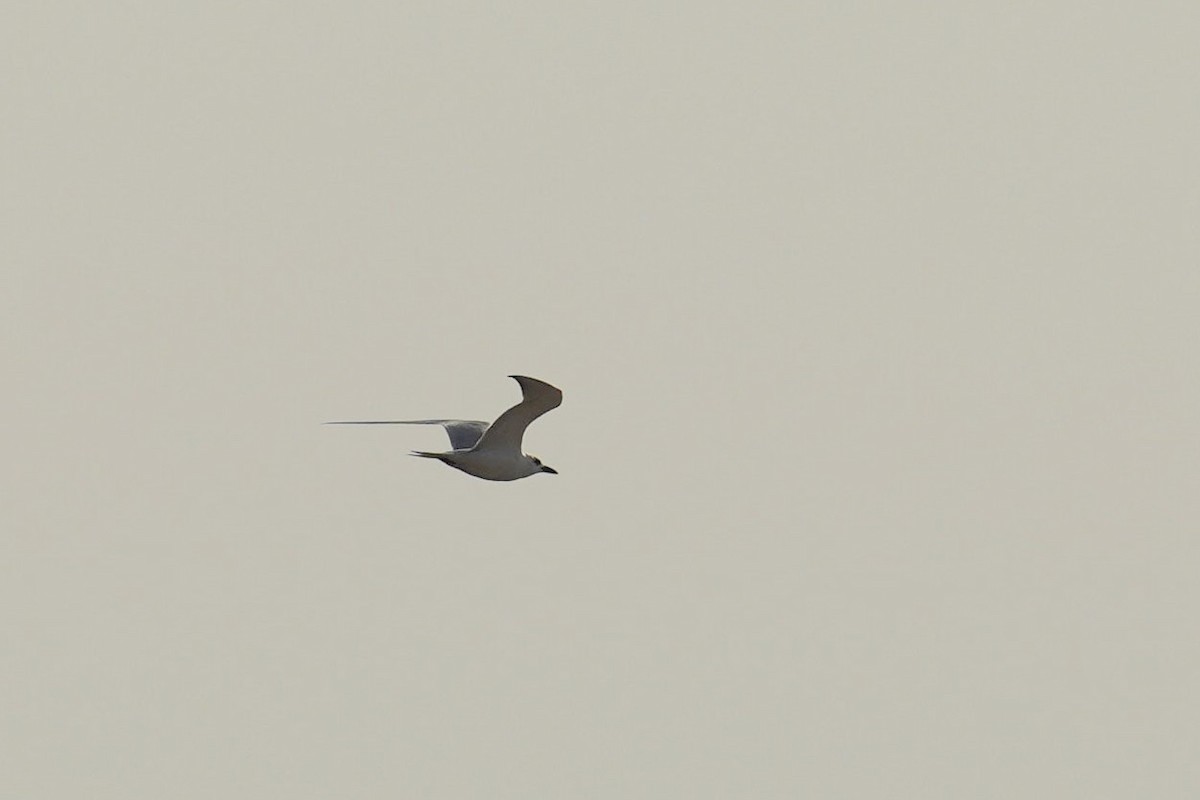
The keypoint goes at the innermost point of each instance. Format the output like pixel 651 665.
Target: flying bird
pixel 492 452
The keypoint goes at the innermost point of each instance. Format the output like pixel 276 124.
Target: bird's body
pixel 488 465
pixel 492 452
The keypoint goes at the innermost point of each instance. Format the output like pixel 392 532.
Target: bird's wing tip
pixel 522 378
pixel 529 385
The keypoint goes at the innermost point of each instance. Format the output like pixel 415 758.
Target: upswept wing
pixel 506 432
pixel 464 433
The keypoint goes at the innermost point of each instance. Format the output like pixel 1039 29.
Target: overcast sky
pixel 877 330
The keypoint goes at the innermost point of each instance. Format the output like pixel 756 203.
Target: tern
pixel 492 452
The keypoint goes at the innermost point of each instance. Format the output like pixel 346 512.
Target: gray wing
pixel 506 432
pixel 464 433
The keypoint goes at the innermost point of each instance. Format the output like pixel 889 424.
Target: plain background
pixel 877 326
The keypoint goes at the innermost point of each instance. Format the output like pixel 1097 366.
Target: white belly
pixel 491 466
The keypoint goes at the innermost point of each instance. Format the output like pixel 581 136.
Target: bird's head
pixel 537 462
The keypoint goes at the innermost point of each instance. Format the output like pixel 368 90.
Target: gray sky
pixel 877 328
